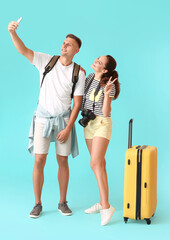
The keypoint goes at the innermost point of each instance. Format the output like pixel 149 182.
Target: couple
pixel 54 119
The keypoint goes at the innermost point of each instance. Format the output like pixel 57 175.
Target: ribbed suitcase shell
pixel 140 192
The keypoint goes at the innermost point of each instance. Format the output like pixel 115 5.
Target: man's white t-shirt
pixel 55 93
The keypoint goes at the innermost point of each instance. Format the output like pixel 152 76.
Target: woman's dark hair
pixel 110 66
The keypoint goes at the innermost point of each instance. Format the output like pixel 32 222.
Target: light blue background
pixel 137 34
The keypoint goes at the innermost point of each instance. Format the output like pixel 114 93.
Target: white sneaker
pixel 94 209
pixel 106 215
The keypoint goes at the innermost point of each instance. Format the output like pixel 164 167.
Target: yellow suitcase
pixel 140 181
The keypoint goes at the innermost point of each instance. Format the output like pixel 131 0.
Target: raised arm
pixel 22 49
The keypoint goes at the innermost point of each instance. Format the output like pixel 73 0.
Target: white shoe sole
pixel 92 212
pixel 65 214
pixel 33 216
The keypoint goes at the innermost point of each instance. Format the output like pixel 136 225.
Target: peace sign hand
pixel 109 86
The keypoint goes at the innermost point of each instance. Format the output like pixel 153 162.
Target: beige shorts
pixel 99 127
pixel 41 144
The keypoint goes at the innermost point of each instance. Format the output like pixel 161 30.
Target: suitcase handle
pixel 130 133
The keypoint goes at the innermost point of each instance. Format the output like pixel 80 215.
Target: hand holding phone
pixel 14 25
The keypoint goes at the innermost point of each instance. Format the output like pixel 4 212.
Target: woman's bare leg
pixel 97 147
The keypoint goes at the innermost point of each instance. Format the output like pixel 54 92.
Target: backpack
pixel 52 63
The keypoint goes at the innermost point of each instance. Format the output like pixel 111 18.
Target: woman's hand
pixel 108 87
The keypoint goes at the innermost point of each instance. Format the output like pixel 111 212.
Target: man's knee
pixel 62 161
pixel 40 160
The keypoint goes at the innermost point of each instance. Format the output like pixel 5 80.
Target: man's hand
pixel 63 135
pixel 12 26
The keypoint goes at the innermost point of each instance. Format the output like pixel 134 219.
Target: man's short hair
pixel 75 38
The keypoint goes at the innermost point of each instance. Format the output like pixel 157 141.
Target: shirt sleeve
pixel 40 60
pixel 113 92
pixel 79 89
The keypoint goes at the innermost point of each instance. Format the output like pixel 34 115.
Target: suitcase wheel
pixel 125 219
pixel 148 221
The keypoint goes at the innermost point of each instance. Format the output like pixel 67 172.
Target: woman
pixel 100 89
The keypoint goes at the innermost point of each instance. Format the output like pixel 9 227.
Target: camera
pixel 87 116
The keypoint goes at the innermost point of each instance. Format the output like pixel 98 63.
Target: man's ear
pixel 77 50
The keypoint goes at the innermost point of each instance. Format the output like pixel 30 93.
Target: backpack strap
pixel 52 63
pixel 49 67
pixel 76 70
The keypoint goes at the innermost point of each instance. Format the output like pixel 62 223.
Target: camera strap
pixel 95 93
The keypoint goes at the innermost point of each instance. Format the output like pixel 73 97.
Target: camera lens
pixel 87 116
pixel 84 121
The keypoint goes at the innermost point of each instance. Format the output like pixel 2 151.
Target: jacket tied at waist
pixel 52 120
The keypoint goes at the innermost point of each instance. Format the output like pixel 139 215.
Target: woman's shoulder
pixel 90 76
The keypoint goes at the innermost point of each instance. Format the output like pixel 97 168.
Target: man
pixel 53 118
